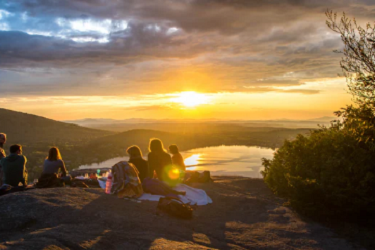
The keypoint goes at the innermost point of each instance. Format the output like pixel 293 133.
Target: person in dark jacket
pixel 136 158
pixel 3 139
pixel 14 167
pixel 159 161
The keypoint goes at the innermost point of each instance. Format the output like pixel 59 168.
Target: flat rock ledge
pixel 244 215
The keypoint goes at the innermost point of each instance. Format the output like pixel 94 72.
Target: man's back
pixel 14 169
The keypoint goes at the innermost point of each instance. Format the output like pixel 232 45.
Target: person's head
pixel 54 154
pixel 16 149
pixel 134 152
pixel 173 149
pixel 3 138
pixel 156 145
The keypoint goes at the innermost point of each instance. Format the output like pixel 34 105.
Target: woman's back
pixel 52 167
pixel 142 166
pixel 158 161
pixel 178 161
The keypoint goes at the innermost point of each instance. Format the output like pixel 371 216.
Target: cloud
pixel 101 47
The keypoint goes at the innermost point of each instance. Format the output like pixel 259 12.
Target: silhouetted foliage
pixel 358 62
pixel 326 173
pixel 332 171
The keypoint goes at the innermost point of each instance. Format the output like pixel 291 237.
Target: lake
pixel 221 160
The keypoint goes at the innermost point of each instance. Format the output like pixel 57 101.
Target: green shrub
pixel 330 172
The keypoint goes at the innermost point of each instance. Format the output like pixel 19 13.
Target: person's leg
pixel 67 179
pixel 26 175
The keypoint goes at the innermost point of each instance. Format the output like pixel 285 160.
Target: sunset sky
pixel 224 59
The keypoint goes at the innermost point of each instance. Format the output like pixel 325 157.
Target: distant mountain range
pixel 324 118
pixel 172 124
pixel 142 120
pixel 133 121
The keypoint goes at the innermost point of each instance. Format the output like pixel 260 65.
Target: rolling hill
pixel 26 128
pixel 37 134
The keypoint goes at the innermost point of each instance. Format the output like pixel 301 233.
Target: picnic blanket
pixel 194 196
pixel 158 187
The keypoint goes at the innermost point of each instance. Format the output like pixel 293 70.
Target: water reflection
pixel 228 160
pixel 193 161
pixel 222 160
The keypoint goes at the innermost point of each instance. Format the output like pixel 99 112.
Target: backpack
pixel 175 207
pixel 205 177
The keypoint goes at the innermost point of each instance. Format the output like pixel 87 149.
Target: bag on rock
pixel 175 207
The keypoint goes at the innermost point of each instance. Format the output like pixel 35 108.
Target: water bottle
pixel 108 184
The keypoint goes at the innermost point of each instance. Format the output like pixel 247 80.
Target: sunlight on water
pixel 221 160
pixel 192 160
pixel 228 160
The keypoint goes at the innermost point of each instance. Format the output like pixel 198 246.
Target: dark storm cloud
pixel 244 40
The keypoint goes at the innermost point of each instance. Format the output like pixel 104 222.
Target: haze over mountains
pixel 172 124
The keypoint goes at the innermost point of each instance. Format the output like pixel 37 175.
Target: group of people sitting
pixel 159 164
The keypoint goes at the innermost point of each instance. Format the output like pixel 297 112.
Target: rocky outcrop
pixel 244 215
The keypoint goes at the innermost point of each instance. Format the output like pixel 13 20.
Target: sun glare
pixel 191 99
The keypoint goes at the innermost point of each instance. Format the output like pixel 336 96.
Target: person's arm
pixel 183 167
pixel 25 173
pixel 145 170
pixel 151 166
pixel 2 155
pixel 63 169
pixel 174 160
pixel 169 160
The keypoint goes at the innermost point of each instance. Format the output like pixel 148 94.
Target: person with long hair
pixel 53 163
pixel 158 160
pixel 177 159
pixel 136 158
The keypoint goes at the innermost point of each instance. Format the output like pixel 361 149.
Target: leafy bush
pixel 331 171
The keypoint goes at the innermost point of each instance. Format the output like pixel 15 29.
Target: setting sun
pixel 191 99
